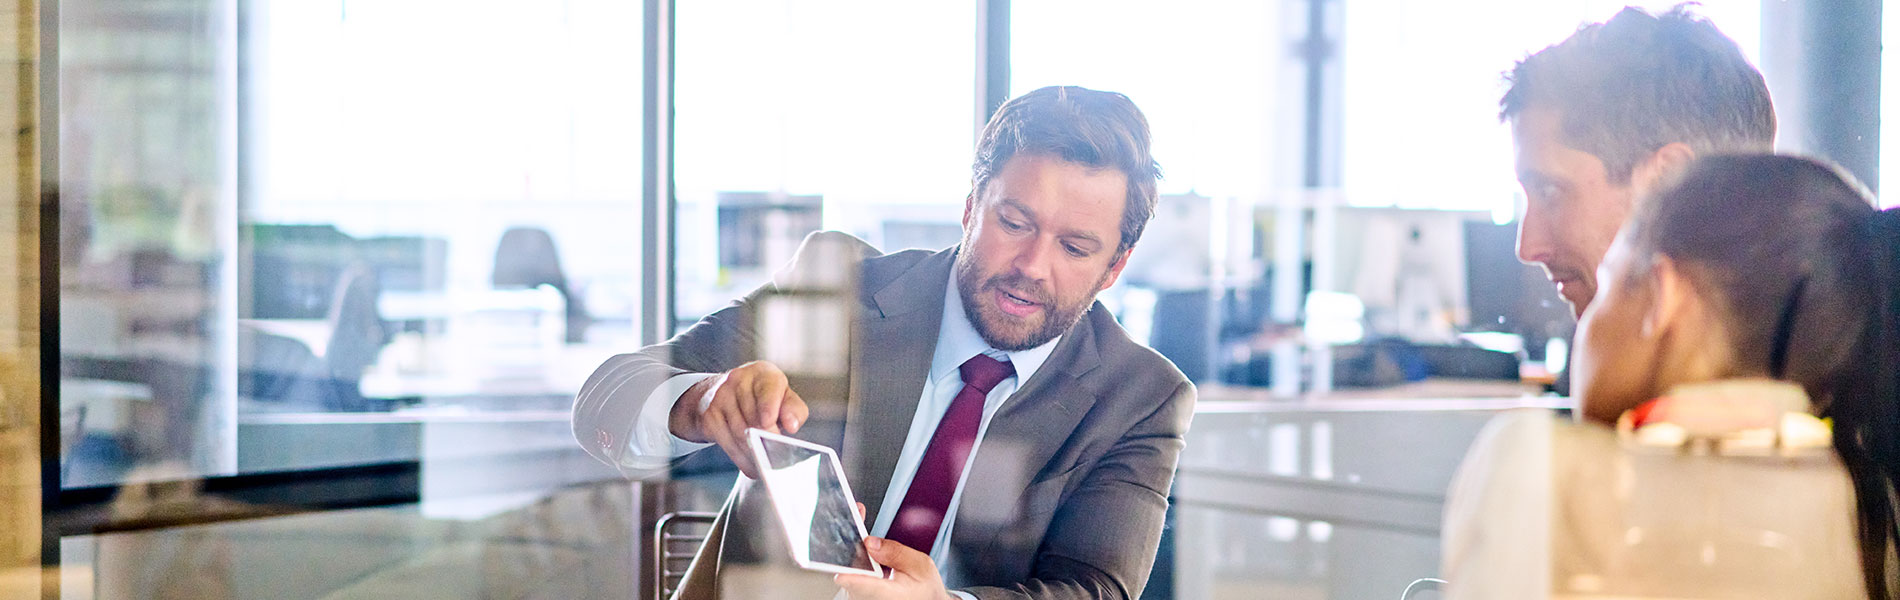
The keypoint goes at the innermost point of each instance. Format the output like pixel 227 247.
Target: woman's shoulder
pixel 1521 449
pixel 1512 441
pixel 1519 432
pixel 1496 533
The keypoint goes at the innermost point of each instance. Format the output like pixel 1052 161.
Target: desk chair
pixel 677 537
pixel 357 329
pixel 525 257
pixel 281 370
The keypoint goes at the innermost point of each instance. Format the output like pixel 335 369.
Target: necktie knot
pixel 983 372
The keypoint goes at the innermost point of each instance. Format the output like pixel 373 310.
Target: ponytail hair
pixel 1806 273
pixel 1867 420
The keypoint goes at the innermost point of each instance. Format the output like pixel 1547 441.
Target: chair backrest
pixel 526 257
pixel 276 368
pixel 677 537
pixel 358 331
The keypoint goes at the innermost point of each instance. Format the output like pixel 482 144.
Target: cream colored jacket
pixel 1543 508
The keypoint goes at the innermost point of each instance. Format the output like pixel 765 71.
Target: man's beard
pixel 1056 319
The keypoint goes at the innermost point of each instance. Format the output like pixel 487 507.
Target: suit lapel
pixel 896 341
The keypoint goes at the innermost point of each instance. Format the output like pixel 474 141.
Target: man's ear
pixel 1115 269
pixel 969 211
pixel 1661 164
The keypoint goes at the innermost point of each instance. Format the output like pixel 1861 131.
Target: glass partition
pixel 298 238
pixel 302 235
pixel 797 116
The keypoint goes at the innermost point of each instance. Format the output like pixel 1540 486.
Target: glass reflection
pixel 147 182
pixel 255 256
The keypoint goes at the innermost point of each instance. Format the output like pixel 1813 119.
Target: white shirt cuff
pixel 651 436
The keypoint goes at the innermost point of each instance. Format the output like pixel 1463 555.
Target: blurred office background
pixel 306 287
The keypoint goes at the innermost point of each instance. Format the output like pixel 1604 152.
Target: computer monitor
pixel 1509 296
pixel 1408 267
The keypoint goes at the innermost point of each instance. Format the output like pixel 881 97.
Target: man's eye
pixel 1012 225
pixel 1076 251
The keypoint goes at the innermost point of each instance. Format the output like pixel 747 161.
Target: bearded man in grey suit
pixel 1006 437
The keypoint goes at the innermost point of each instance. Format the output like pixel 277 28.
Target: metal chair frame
pixel 1420 585
pixel 669 567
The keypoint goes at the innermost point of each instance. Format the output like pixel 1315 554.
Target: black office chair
pixel 525 257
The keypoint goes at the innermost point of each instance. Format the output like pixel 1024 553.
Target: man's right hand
pixel 719 409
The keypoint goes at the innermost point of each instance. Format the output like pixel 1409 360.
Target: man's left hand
pixel 913 576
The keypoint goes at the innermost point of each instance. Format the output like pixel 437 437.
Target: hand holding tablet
pixel 816 511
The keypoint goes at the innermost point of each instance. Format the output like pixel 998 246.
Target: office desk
pixel 464 364
pixel 450 420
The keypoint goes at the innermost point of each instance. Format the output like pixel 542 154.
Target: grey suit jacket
pixel 1066 495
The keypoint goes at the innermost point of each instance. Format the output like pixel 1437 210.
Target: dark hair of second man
pixel 1629 86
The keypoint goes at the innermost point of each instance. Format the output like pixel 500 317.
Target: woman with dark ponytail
pixel 1738 388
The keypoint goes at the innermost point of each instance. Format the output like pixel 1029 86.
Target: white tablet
pixel 815 508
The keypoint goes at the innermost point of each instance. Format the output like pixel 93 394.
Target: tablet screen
pixel 813 505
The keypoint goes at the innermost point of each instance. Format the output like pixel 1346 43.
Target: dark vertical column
pixel 1822 62
pixel 992 58
pixel 45 92
pixel 656 214
pixel 649 503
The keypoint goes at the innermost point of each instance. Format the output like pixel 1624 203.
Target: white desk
pixel 1337 496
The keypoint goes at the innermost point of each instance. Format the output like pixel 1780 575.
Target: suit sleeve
pixel 1102 539
pixel 610 402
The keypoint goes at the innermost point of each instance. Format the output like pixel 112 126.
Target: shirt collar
pixel 957 341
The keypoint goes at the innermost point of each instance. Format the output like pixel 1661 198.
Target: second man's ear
pixel 1661 165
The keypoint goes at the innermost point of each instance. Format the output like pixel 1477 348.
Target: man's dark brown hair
pixel 1101 130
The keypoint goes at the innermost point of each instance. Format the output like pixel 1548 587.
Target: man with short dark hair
pixel 1599 118
pixel 1005 435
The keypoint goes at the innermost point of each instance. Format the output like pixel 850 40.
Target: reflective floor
pixel 574 543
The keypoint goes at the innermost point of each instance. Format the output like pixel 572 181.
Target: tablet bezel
pixel 755 440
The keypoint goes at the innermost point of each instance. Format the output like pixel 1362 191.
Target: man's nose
pixel 1533 242
pixel 1034 259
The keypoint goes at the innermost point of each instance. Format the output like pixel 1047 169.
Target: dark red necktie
pixel 921 514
